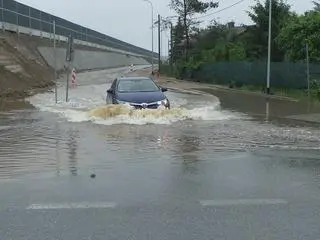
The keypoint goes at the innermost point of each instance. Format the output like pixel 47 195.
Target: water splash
pixel 87 104
pixel 116 114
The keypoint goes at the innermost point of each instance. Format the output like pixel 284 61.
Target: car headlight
pixel 164 102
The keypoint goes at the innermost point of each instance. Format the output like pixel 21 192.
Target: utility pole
pixel 69 58
pixel 269 47
pixel 171 48
pixel 152 61
pixel 169 51
pixel 308 68
pixel 159 41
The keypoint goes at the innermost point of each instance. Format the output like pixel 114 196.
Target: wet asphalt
pixel 236 175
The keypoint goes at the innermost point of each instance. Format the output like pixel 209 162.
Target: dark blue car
pixel 139 92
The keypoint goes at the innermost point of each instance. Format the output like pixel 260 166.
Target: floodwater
pixel 83 135
pixel 201 170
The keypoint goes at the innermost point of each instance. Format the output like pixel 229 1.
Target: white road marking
pixel 80 205
pixel 235 202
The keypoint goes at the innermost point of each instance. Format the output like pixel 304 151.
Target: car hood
pixel 141 97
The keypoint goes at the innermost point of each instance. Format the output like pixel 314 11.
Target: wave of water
pixel 87 104
pixel 79 111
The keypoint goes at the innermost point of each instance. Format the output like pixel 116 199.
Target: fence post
pixel 40 24
pixel 50 33
pixel 17 19
pixel 81 38
pixel 30 28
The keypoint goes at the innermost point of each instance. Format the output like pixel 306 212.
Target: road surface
pixel 198 171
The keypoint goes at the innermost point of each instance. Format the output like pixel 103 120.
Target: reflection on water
pixel 163 139
pixel 255 104
pixel 33 143
pixel 189 144
pixel 267 110
pixel 188 148
pixel 73 145
pixel 57 148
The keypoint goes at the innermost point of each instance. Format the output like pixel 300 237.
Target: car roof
pixel 134 78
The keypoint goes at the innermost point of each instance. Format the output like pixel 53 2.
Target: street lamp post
pixel 159 41
pixel 269 47
pixel 152 62
pixel 55 60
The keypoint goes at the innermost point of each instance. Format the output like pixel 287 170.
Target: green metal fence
pixel 283 74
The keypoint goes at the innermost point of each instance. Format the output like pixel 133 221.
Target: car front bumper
pixel 164 104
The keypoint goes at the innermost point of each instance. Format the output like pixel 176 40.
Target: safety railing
pixel 16 16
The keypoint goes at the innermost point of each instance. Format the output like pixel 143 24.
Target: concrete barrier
pixel 88 60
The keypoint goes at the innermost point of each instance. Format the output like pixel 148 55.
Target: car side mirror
pixel 110 90
pixel 164 89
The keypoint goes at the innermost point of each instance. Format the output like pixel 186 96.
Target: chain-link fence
pixel 283 74
pixel 15 15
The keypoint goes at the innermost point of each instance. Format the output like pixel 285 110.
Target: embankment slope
pixel 26 63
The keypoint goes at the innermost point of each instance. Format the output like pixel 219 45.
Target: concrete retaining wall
pixel 87 60
pixel 37 33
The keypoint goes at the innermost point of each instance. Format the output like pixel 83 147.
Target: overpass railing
pixel 19 17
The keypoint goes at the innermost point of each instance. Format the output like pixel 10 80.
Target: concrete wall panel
pixel 87 60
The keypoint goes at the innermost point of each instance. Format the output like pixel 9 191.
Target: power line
pixel 223 9
pixel 210 14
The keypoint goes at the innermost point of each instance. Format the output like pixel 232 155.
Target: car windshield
pixel 137 85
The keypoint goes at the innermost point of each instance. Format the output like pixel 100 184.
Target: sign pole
pixel 171 48
pixel 55 60
pixel 69 58
pixel 67 85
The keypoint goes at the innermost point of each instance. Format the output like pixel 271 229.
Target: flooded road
pixel 197 171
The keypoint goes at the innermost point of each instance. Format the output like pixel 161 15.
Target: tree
pixel 316 5
pixel 260 16
pixel 208 37
pixel 186 9
pixel 178 37
pixel 217 42
pixel 297 32
pixel 252 43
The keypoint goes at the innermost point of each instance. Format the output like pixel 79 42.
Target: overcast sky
pixel 130 20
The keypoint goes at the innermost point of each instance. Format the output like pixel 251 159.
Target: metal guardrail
pixel 19 14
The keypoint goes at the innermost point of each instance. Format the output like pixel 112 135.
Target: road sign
pixel 73 77
pixel 70 49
